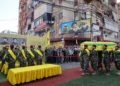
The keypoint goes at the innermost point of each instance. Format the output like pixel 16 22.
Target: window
pixel 36 22
pixel 29 26
pixel 75 2
pixel 60 1
pixel 61 15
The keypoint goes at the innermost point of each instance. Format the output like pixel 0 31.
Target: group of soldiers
pixel 96 59
pixel 25 57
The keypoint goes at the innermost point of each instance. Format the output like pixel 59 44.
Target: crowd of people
pixel 97 58
pixel 25 57
pixel 61 55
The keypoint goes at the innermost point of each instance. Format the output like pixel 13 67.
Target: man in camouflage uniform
pixel 17 51
pixel 106 59
pixel 94 60
pixel 31 56
pixel 38 56
pixel 85 60
pixel 9 58
pixel 22 57
pixel 117 59
pixel 3 53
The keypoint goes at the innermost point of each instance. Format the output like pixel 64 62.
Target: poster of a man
pixel 23 42
pixel 84 27
pixel 5 41
pixel 65 29
pixel 15 42
pixel 74 28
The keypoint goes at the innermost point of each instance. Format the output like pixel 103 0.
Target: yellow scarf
pixel 88 52
pixel 23 53
pixel 30 52
pixel 12 54
pixel 39 52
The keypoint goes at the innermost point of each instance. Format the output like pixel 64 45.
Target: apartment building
pixel 71 20
pixel 119 19
pixel 22 16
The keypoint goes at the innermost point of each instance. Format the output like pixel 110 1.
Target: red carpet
pixel 66 76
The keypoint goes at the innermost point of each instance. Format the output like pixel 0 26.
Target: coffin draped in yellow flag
pixel 47 39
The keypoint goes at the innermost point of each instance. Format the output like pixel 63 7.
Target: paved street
pixel 70 65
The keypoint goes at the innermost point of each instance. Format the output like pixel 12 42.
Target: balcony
pixel 40 27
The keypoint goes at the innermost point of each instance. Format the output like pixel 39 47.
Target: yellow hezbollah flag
pixel 48 39
pixel 23 53
pixel 12 54
pixel 76 42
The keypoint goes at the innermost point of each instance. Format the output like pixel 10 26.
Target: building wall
pixel 119 19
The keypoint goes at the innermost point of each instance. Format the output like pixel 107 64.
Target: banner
pixel 20 40
pixel 76 27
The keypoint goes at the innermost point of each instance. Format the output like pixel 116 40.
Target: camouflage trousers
pixel 39 61
pixel 22 63
pixel 11 65
pixel 94 64
pixel 84 61
pixel 107 64
pixel 117 65
pixel 30 62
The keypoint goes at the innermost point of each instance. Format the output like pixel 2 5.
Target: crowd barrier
pixel 62 59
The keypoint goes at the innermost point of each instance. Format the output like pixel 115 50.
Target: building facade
pixel 71 20
pixel 119 18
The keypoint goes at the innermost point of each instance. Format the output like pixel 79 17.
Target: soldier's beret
pixel 94 45
pixel 23 47
pixel 39 46
pixel 11 46
pixel 117 46
pixel 31 46
pixel 6 46
pixel 105 45
pixel 85 45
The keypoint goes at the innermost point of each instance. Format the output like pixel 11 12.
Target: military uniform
pixel 85 59
pixel 94 59
pixel 31 56
pixel 38 56
pixel 10 59
pixel 117 59
pixel 106 59
pixel 22 57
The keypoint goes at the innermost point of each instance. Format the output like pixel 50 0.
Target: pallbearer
pixel 106 59
pixel 22 57
pixel 117 59
pixel 31 56
pixel 39 55
pixel 11 57
pixel 85 62
pixel 94 59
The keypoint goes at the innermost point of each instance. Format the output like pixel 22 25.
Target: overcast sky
pixel 9 15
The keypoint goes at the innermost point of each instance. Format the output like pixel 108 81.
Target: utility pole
pixel 91 31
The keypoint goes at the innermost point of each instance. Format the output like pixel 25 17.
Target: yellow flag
pixel 76 42
pixel 48 39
